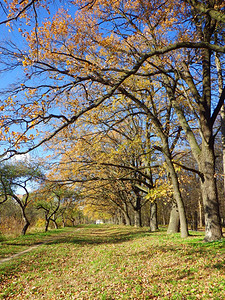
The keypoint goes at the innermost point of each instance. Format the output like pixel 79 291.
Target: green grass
pixel 10 246
pixel 114 262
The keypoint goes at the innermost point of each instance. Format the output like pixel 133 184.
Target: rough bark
pixel 213 230
pixel 174 223
pixel 137 218
pixel 137 208
pixel 222 112
pixel 178 198
pixel 200 213
pixel 153 217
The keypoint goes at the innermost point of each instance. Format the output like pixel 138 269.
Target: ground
pixel 112 262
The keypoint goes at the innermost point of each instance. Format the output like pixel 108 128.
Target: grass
pixel 10 246
pixel 113 262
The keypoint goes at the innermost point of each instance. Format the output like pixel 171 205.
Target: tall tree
pixel 99 52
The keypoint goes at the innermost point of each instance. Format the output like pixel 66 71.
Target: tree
pixel 114 158
pixel 52 198
pixel 20 175
pixel 73 213
pixel 96 62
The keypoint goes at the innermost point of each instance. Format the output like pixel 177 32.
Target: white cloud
pixel 21 157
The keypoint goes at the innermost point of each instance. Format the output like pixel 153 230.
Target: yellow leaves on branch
pixel 26 62
pixel 17 138
pixel 10 101
pixel 163 192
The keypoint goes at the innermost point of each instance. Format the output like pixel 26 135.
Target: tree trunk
pixel 27 223
pixel 55 224
pixel 120 218
pixel 137 218
pixel 127 219
pixel 222 112
pixel 195 221
pixel 73 222
pixel 203 153
pixel 46 224
pixel 126 215
pixel 25 227
pixel 174 223
pixel 206 163
pixel 213 230
pixel 153 217
pixel 200 213
pixel 178 198
pixel 163 219
pixel 63 221
pixel 137 209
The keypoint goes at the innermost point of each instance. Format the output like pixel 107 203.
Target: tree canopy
pixel 81 58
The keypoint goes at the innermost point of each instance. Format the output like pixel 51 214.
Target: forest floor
pixel 111 262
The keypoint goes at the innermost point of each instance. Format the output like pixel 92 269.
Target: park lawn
pixel 10 246
pixel 115 262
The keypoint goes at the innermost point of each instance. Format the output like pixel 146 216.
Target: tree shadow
pixel 97 238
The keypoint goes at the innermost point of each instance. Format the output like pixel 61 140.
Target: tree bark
pixel 54 221
pixel 153 217
pixel 222 115
pixel 63 221
pixel 137 218
pixel 200 213
pixel 213 230
pixel 178 198
pixel 174 223
pixel 46 225
pixel 47 220
pixel 137 208
pixel 55 224
pixel 127 219
pixel 25 227
pixel 27 223
pixel 126 214
pixel 195 221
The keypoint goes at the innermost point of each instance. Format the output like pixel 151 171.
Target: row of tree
pixel 122 90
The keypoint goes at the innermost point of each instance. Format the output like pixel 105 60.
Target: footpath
pixel 30 248
pixel 3 260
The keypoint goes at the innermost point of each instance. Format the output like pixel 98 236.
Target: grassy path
pixel 13 248
pixel 13 256
pixel 109 262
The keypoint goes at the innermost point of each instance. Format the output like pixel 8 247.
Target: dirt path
pixel 3 260
pixel 6 259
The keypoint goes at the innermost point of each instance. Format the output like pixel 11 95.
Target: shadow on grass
pixel 93 235
pixel 82 234
pixel 32 239
pixel 97 238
